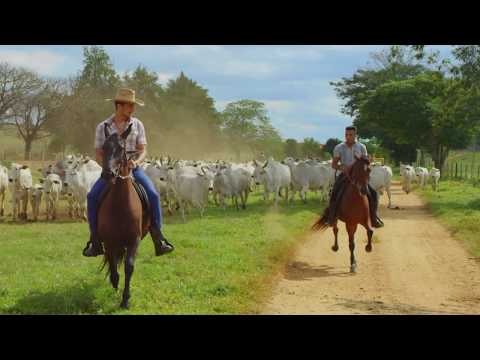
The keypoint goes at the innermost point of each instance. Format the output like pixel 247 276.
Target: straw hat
pixel 126 95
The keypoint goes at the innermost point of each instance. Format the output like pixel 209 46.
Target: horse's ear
pixel 127 132
pixel 105 130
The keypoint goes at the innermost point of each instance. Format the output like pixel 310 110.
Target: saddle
pixel 142 194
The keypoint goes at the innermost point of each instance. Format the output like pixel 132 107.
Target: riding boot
pixel 373 205
pixel 334 200
pixel 94 247
pixel 162 245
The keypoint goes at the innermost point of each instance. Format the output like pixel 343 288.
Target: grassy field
pixel 457 205
pixel 224 263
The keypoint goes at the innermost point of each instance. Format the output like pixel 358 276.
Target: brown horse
pixel 121 222
pixel 353 208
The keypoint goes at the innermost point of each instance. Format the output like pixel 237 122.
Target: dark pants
pixel 337 194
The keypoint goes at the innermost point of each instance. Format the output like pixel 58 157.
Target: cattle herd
pixel 183 184
pixel 420 175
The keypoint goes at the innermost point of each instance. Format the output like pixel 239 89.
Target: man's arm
pixel 140 156
pixel 335 163
pixel 99 156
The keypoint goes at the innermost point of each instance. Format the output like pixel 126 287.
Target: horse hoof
pixel 353 269
pixel 124 305
pixel 368 248
pixel 335 248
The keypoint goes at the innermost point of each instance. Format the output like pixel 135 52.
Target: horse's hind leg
pixel 129 267
pixel 351 245
pixel 368 248
pixel 335 232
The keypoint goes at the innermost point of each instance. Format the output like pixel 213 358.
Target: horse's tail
pixel 113 256
pixel 322 223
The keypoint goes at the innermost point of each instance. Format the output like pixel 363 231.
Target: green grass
pixel 223 264
pixel 457 205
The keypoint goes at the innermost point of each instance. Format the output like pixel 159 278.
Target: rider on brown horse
pixel 346 153
pixel 135 142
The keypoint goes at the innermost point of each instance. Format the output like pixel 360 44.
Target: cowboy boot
pixel 162 246
pixel 373 205
pixel 93 248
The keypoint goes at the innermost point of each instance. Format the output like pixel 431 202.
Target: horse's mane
pixel 355 168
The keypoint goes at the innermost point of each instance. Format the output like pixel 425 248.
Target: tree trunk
pixel 422 158
pixel 28 149
pixel 439 156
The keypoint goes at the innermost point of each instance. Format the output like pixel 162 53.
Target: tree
pixel 31 115
pixel 146 86
pixel 188 122
pixel 98 72
pixel 84 106
pixel 428 112
pixel 330 145
pixel 311 148
pixel 247 125
pixel 15 85
pixel 291 148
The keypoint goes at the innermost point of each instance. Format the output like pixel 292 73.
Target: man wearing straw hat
pixel 136 141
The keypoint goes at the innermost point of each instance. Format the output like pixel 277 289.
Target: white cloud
pixel 43 62
pixel 164 77
pixel 279 105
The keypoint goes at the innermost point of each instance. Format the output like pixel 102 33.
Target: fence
pixel 459 170
pixel 34 156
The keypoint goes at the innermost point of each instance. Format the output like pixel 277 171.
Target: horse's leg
pixel 335 233
pixel 286 195
pixel 129 267
pixel 368 247
pixel 351 228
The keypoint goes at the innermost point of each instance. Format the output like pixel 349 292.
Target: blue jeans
pixel 139 175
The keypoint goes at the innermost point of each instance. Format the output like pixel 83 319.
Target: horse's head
pixel 115 160
pixel 360 173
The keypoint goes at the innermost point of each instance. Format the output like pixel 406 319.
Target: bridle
pixel 353 181
pixel 116 172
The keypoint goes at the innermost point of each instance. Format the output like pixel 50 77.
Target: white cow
pixel 274 176
pixel 3 188
pixel 435 177
pixel 380 179
pixel 158 173
pixel 20 183
pixel 36 200
pixel 422 176
pixel 232 182
pixel 191 189
pixel 52 187
pixel 80 181
pixel 408 175
pixel 308 176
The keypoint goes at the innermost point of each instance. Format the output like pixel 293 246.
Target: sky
pixel 292 80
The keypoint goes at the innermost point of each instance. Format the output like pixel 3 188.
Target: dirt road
pixel 415 267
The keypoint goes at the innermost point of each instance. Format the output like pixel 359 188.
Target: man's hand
pixel 132 164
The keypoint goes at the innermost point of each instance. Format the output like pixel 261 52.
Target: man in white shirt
pixel 346 153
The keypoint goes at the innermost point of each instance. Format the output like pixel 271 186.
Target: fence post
pixel 456 170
